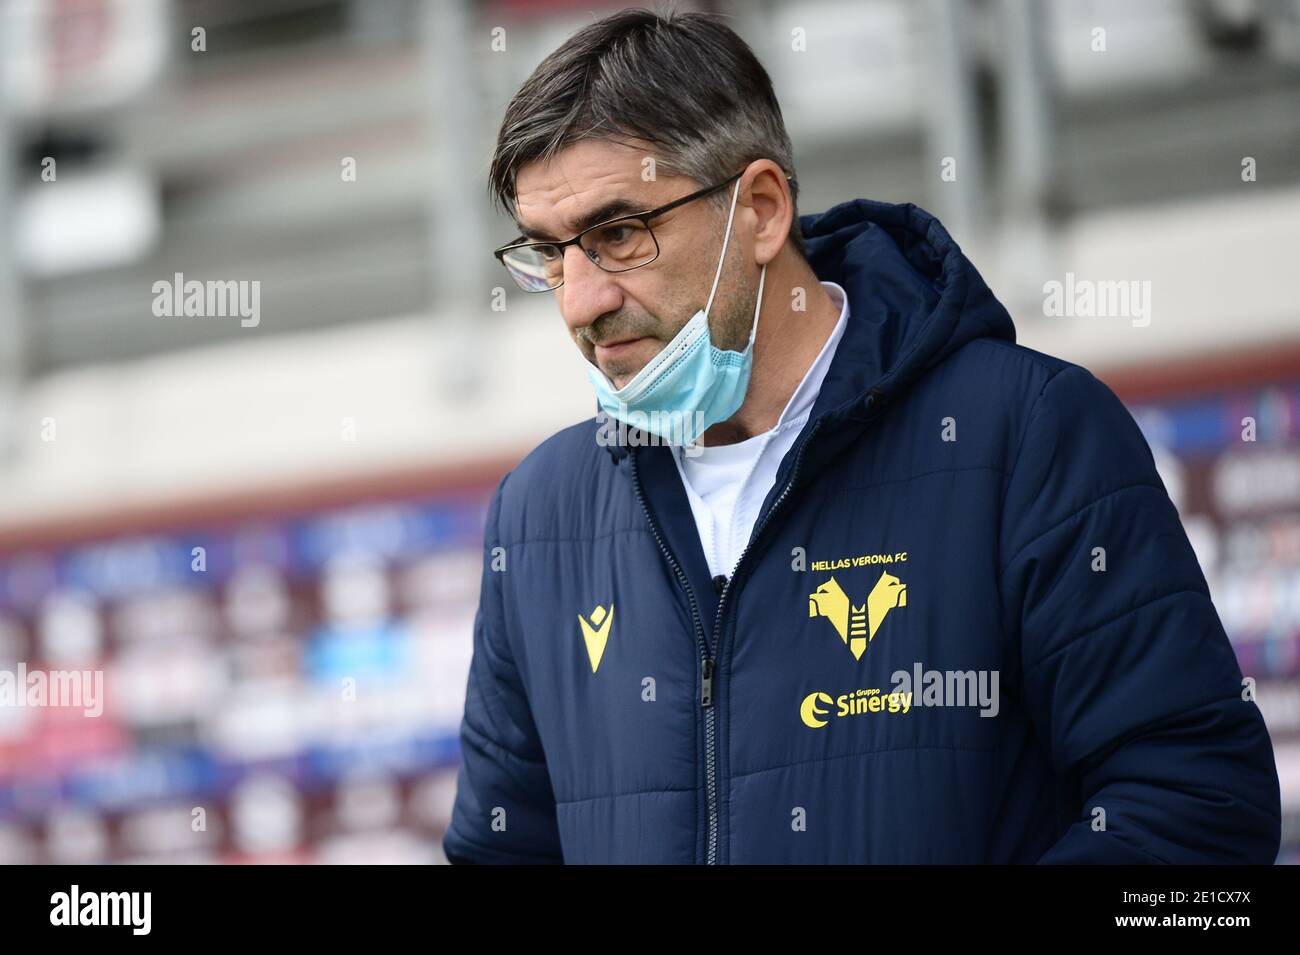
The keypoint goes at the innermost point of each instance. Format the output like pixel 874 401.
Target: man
pixel 864 581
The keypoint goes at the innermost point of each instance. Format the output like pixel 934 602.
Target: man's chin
pixel 622 362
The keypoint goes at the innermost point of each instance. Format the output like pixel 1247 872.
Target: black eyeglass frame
pixel 642 217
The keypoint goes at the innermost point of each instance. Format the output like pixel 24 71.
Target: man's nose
pixel 588 291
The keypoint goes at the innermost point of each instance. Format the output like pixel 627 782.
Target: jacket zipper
pixel 711 754
pixel 707 658
pixel 706 692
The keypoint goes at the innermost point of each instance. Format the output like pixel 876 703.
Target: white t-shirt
pixel 727 483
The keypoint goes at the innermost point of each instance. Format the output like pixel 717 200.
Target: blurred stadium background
pixel 335 460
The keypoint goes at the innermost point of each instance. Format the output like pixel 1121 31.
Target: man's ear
pixel 768 194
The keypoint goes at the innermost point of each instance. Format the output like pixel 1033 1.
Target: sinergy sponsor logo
pixel 911 690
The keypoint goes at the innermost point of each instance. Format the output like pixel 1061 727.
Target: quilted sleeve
pixel 504 810
pixel 1126 672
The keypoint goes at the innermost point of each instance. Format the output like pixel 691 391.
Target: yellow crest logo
pixel 856 625
pixel 596 633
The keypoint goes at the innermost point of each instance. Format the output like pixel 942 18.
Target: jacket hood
pixel 914 298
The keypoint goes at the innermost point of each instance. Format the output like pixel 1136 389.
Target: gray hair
pixel 685 83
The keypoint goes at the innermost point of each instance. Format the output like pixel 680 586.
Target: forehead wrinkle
pixel 606 209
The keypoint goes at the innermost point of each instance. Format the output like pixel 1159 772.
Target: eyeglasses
pixel 615 245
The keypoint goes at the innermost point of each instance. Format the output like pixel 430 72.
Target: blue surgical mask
pixel 691 384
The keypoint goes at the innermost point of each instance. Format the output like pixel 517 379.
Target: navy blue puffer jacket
pixel 968 627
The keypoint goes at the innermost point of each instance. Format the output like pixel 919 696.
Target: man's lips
pixel 611 351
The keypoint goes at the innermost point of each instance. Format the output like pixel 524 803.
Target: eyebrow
pixel 615 207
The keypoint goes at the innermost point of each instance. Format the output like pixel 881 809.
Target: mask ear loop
pixel 758 307
pixel 723 258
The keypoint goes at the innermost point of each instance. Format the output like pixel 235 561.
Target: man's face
pixel 620 320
